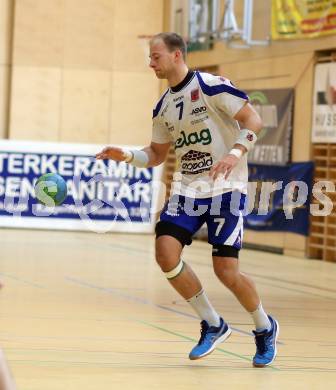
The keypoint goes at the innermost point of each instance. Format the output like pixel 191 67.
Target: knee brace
pixel 225 251
pixel 175 271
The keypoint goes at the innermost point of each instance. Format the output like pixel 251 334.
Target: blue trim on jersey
pixel 159 105
pixel 212 90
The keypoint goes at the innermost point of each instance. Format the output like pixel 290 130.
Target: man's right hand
pixel 112 153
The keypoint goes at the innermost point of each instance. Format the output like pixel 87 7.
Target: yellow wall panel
pixel 3 100
pixel 301 149
pixel 271 239
pixel 261 19
pixel 267 72
pixel 35 103
pixel 83 42
pixel 133 98
pixel 89 33
pixel 5 26
pixel 85 106
pixel 221 54
pixel 295 242
pixel 130 20
pixel 179 11
pixel 5 60
pixel 38 39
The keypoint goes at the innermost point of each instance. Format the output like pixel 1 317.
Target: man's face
pixel 162 61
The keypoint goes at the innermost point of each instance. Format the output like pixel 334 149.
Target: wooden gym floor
pixel 93 312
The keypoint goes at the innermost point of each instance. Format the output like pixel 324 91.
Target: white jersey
pixel 197 116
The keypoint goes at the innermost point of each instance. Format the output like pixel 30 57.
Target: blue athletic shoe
pixel 266 345
pixel 211 336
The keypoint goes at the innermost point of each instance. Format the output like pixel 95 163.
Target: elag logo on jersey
pixel 194 95
pixel 203 137
pixel 194 162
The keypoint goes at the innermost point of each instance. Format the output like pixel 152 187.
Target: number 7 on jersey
pixel 180 106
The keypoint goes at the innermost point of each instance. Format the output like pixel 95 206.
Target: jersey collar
pixel 184 82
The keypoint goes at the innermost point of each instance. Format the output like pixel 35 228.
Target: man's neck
pixel 178 76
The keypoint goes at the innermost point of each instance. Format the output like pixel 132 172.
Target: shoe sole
pixel 221 339
pixel 275 348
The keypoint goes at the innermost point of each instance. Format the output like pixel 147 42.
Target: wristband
pixel 236 152
pixel 135 157
pixel 128 155
pixel 247 138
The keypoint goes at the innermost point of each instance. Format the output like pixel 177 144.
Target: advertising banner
pixel 324 108
pixel 275 107
pixel 280 198
pixel 102 195
pixel 294 19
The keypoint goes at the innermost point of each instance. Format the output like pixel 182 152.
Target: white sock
pixel 200 303
pixel 260 319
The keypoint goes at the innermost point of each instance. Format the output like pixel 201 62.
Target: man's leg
pixel 225 233
pixel 168 254
pixel 227 271
pixel 267 329
pixel 186 283
pixel 6 380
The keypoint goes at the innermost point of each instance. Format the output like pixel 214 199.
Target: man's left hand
pixel 224 166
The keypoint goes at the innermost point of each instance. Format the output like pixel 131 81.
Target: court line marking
pixel 144 301
pixel 331 290
pixel 147 252
pixel 165 366
pixel 274 285
pixel 137 250
pixel 192 339
pixel 23 281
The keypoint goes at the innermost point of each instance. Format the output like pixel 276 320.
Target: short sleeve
pixel 160 133
pixel 230 103
pixel 224 95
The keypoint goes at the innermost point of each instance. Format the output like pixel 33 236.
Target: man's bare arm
pixel 155 152
pixel 251 124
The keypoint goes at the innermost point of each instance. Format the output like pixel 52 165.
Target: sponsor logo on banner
pixel 194 162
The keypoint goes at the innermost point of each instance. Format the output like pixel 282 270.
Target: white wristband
pixel 135 157
pixel 236 152
pixel 247 138
pixel 128 155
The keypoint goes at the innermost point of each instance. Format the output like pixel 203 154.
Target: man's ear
pixel 178 54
